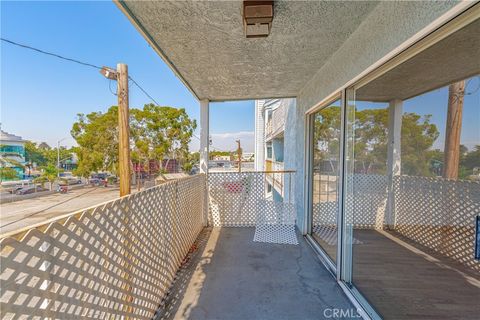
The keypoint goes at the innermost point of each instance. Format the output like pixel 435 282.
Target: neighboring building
pixel 271 115
pixel 12 152
pixel 221 158
pixel 248 156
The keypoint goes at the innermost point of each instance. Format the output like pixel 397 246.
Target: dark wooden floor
pixel 405 283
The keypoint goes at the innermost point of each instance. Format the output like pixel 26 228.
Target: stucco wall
pixel 387 26
pixel 259 135
pixel 289 155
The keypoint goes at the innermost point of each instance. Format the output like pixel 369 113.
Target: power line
pixel 51 54
pixel 135 82
pixel 76 61
pixel 92 66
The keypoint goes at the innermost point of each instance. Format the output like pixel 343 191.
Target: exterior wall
pixel 259 135
pixel 277 145
pixel 386 27
pixel 289 154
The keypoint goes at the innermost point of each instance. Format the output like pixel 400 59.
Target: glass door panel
pixel 325 148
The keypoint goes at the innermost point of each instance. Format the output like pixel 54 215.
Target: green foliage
pixel 42 155
pixel 49 173
pixel 471 159
pixel 215 153
pixel 371 140
pixel 7 173
pixel 418 136
pixel 190 161
pixel 33 154
pixel 97 137
pixel 156 132
pixel 327 134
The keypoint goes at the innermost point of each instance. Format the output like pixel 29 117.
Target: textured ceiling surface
pixel 205 42
pixel 454 58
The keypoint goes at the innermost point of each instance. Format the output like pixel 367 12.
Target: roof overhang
pixel 204 43
pixel 456 57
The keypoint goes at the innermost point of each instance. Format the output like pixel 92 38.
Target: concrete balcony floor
pixel 228 276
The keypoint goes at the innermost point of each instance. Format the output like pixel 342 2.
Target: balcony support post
pixel 204 135
pixel 393 157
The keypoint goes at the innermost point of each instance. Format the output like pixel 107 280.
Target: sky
pixel 435 103
pixel 41 95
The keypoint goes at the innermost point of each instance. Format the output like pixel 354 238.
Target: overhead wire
pixel 92 66
pixel 78 62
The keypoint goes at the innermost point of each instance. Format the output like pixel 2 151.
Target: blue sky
pixel 41 95
pixel 435 103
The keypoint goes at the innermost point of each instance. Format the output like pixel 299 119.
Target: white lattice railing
pixel 433 212
pixel 113 261
pixel 239 200
pixel 439 214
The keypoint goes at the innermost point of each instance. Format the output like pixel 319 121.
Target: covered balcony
pixel 151 255
pixel 364 232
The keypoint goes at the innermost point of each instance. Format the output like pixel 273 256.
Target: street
pixel 17 215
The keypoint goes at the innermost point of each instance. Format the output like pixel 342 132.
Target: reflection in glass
pixel 413 193
pixel 325 172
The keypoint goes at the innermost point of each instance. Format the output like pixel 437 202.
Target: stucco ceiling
pixel 204 42
pixel 454 58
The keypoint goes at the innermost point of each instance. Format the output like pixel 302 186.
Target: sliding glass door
pixel 325 159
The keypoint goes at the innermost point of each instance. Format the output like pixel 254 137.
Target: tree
pixel 418 136
pixel 371 140
pixel 156 132
pixel 34 154
pixel 161 131
pixel 7 173
pixel 469 161
pixel 49 173
pixel 97 137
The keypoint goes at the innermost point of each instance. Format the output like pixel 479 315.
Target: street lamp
pixel 58 155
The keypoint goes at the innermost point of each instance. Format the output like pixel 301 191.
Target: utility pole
pixel 123 129
pixel 456 92
pixel 58 156
pixel 121 75
pixel 239 155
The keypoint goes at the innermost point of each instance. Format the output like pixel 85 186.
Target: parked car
pixel 30 189
pixel 69 180
pixel 95 181
pixel 15 189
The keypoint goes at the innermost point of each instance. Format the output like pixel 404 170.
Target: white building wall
pixel 259 135
pixel 289 154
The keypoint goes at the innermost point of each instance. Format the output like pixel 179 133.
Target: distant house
pixel 248 156
pixel 12 152
pixel 221 158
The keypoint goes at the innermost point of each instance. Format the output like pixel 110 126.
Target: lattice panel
pixel 114 261
pixel 365 206
pixel 439 214
pixel 239 200
pixel 234 198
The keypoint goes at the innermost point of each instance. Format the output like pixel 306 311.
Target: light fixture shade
pixel 257 18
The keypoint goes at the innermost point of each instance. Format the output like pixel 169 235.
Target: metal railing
pixel 113 261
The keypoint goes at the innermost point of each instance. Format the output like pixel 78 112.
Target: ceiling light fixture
pixel 257 18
